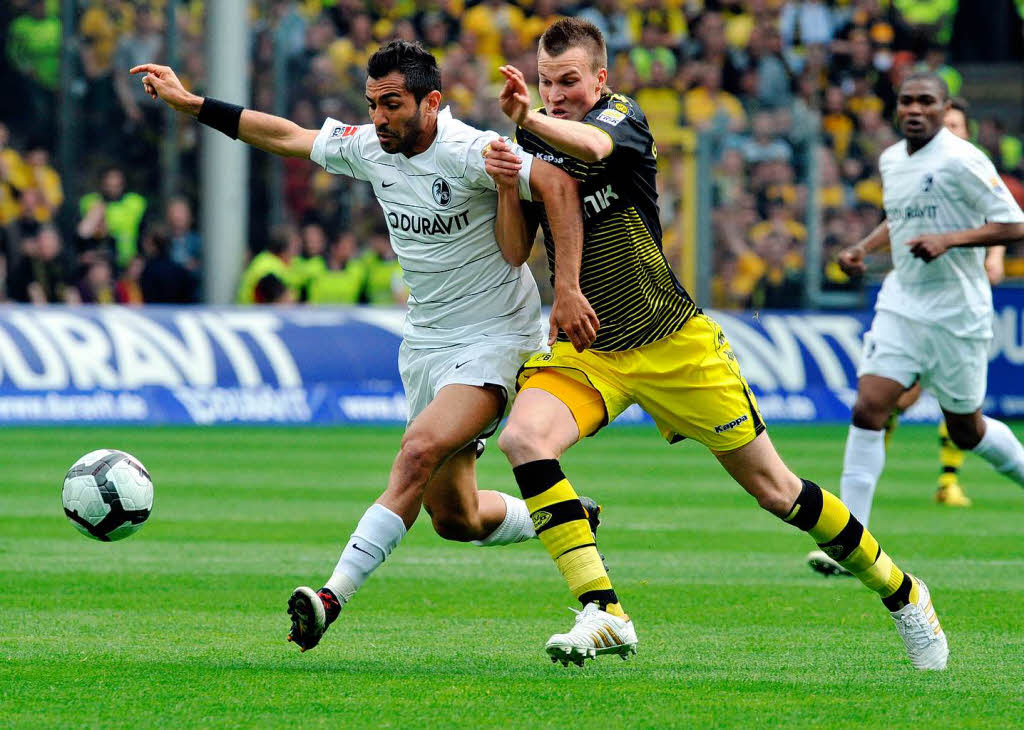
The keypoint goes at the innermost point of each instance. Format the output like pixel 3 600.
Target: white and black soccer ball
pixel 108 494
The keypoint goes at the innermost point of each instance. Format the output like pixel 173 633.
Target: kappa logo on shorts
pixel 540 519
pixel 731 424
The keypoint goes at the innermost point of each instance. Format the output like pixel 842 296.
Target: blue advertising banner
pixel 203 365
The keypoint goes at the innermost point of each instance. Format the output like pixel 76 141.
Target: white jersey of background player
pixel 474 309
pixel 944 203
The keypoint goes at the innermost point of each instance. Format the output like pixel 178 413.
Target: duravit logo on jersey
pixel 910 212
pixel 428 225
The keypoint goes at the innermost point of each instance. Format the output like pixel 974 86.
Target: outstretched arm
pixel 265 131
pixel 582 141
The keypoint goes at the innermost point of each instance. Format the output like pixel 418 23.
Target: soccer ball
pixel 107 494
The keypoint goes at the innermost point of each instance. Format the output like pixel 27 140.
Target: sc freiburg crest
pixel 442 193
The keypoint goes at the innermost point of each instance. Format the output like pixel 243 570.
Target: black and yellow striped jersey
pixel 624 274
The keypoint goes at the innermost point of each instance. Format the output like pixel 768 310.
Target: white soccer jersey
pixel 947 185
pixel 440 207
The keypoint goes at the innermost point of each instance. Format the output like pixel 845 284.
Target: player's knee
pixel 455 526
pixel 964 434
pixel 777 494
pixel 870 413
pixel 518 441
pixel 420 455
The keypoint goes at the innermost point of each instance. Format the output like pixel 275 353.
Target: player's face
pixel 569 87
pixel 395 114
pixel 956 122
pixel 920 109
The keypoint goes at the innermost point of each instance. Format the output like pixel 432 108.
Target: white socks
pixel 516 527
pixel 377 534
pixel 862 466
pixel 1000 448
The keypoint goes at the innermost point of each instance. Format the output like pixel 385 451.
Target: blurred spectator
pixel 44 179
pixel 144 44
pixel 163 280
pixel 764 145
pixel 186 245
pixel 123 212
pixel 284 245
pixel 128 288
pixel 14 178
pixel 41 276
pixel 384 284
pixel 271 289
pixel 345 275
pixel 773 75
pixel 707 105
pixel 96 282
pixel 1006 151
pixel 805 21
pixel 929 18
pixel 310 264
pixel 609 18
pixel 33 47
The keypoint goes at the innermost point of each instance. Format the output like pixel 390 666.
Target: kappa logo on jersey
pixel 441 192
pixel 346 131
pixel 927 183
pixel 611 116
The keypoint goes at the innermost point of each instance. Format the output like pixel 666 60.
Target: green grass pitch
pixel 183 624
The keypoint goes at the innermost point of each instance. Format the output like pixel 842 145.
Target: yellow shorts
pixel 689 382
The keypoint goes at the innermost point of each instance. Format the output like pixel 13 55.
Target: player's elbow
pixel 558 187
pixel 515 255
pixel 597 147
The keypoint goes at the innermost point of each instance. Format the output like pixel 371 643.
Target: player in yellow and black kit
pixel 631 334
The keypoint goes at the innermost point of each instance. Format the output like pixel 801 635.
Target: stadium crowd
pixel 772 85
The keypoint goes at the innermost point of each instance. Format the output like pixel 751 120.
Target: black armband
pixel 221 116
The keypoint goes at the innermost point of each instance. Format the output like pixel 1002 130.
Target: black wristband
pixel 221 116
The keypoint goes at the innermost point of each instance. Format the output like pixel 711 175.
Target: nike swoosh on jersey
pixel 388 184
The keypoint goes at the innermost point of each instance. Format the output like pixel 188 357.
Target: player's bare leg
pixel 864 457
pixel 461 512
pixel 447 426
pixel 541 428
pixel 990 439
pixel 758 468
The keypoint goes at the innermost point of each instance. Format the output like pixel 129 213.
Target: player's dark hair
pixel 575 33
pixel 961 105
pixel 928 76
pixel 413 61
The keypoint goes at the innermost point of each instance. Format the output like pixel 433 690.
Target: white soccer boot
pixel 595 632
pixel 919 627
pixel 822 563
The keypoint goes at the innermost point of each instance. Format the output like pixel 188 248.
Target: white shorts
pixel 425 372
pixel 954 369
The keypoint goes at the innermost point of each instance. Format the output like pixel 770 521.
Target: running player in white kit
pixel 474 312
pixel 944 204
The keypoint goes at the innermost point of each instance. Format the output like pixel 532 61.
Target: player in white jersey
pixel 944 204
pixel 474 310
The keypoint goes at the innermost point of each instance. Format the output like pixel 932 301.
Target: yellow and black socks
pixel 561 524
pixel 951 458
pixel 844 539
